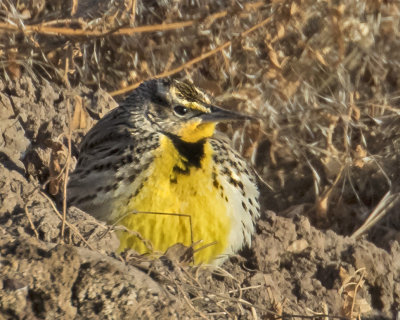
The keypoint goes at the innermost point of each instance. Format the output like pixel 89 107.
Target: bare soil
pixel 325 80
pixel 292 268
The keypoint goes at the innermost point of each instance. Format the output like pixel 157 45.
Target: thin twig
pixel 133 14
pixel 69 225
pixel 190 304
pixel 358 286
pixel 28 215
pixel 382 208
pixel 68 156
pixel 64 31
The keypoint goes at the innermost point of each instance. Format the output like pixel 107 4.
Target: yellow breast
pixel 174 187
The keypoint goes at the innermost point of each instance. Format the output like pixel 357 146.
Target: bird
pixel 157 166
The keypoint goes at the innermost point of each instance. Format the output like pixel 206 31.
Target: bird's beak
pixel 218 114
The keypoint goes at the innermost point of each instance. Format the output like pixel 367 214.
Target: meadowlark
pixel 153 165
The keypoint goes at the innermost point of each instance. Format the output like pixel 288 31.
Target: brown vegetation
pixel 324 78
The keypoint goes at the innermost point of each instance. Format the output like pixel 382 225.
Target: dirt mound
pixel 292 267
pixel 322 76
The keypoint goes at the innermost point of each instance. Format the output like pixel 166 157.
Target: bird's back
pixel 112 154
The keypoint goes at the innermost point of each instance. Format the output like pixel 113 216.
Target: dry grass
pixel 323 76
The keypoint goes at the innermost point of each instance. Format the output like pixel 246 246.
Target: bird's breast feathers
pixel 173 186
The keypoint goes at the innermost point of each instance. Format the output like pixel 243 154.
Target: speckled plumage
pixel 155 152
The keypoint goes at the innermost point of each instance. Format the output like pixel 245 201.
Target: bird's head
pixel 180 109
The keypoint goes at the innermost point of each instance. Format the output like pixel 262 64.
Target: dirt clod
pixel 322 77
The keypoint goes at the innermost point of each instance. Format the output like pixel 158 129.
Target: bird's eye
pixel 180 110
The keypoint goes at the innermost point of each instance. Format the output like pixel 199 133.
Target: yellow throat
pixel 174 186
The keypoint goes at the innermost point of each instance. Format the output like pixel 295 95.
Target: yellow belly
pixel 166 191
